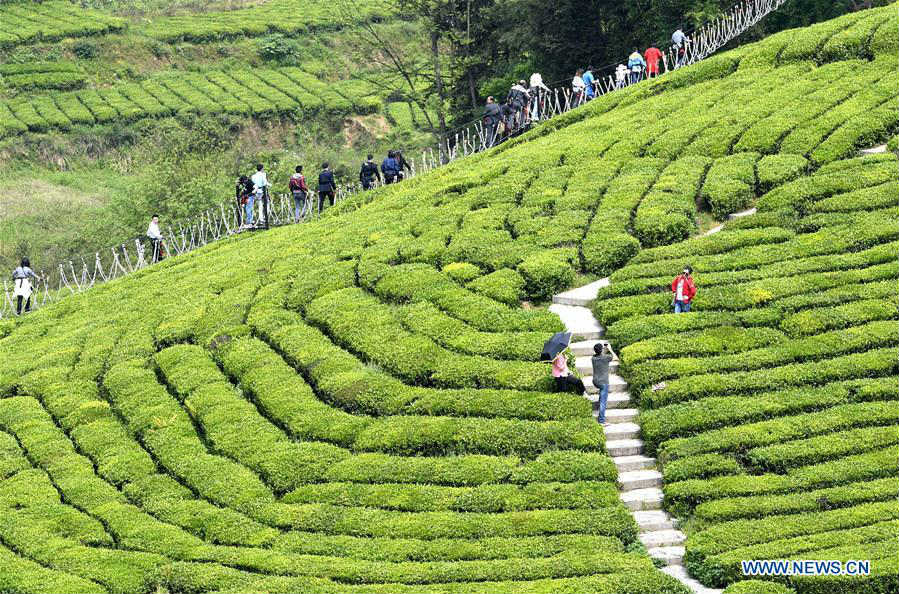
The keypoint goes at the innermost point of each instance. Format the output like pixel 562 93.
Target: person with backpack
pixel 22 285
pixel 636 64
pixel 679 42
pixel 368 173
pixel 327 187
pixel 402 165
pixel 260 191
pixel 600 360
pixel 299 191
pixel 155 237
pixel 684 290
pixel 653 56
pixel 389 168
pixel 518 99
pixel 243 193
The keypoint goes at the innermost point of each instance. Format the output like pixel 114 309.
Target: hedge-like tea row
pixel 264 93
pixel 732 508
pixel 51 21
pixel 347 383
pixel 818 346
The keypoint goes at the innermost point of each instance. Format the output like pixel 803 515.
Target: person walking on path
pixel 155 237
pixel 243 194
pixel 519 99
pixel 22 285
pixel 601 358
pixel 577 86
pixel 652 55
pixel 537 91
pixel 326 187
pixel 589 83
pixel 389 168
pixel 299 190
pixel 368 173
pixel 679 42
pixel 621 76
pixel 636 64
pixel 565 380
pixel 492 117
pixel 401 165
pixel 260 190
pixel 684 290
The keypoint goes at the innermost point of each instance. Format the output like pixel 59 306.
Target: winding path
pixel 639 481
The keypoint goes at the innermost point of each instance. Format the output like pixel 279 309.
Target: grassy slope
pixel 343 401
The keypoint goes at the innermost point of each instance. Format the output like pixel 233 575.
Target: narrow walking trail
pixel 639 480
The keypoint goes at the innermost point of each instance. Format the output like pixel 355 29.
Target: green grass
pixel 351 404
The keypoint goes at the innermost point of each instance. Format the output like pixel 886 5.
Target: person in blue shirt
pixel 390 168
pixel 636 64
pixel 589 83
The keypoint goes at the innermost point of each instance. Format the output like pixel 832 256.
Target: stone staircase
pixel 639 482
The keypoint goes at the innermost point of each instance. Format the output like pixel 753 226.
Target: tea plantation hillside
pixel 355 404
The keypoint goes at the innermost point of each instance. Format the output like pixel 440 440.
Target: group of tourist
pixel 683 291
pixel 525 102
pixel 585 86
pixel 253 189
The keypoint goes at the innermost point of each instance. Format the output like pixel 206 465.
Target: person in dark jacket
pixel 369 173
pixel 601 358
pixel 326 187
pixel 492 117
pixel 401 165
pixel 389 168
pixel 243 190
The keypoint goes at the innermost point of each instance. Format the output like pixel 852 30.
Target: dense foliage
pixel 354 404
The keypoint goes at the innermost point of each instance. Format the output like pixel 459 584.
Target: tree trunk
pixel 438 84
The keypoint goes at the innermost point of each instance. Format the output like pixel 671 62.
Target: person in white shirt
pixel 537 88
pixel 21 278
pixel 578 86
pixel 260 191
pixel 621 76
pixel 155 237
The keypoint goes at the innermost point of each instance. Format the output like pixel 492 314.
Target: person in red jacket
pixel 652 57
pixel 684 290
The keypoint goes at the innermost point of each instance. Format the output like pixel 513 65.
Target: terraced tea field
pixel 356 405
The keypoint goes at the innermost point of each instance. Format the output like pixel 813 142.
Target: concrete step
pixel 643 499
pixel 617 384
pixel 662 538
pixel 578 320
pixel 633 462
pixel 619 400
pixel 584 365
pixel 679 573
pixel 584 348
pixel 639 479
pixel 582 295
pixel 622 431
pixel 621 415
pixel 653 520
pixel 670 555
pixel 624 447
